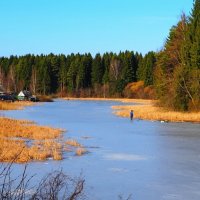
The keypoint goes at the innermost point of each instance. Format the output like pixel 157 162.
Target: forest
pixel 76 74
pixel 171 75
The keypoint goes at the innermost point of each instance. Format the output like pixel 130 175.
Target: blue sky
pixel 66 26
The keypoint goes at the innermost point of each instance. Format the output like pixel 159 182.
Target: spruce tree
pixel 97 70
pixel 191 59
pixel 194 35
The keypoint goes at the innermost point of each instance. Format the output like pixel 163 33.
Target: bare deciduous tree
pixel 53 186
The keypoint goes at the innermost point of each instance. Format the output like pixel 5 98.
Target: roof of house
pixel 21 94
pixel 24 93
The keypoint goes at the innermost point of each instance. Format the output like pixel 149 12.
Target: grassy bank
pixel 23 141
pixel 149 111
pixel 17 105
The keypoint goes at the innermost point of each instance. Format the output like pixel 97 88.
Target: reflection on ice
pixel 124 157
pixel 118 170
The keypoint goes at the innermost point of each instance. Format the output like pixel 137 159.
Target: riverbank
pixel 144 101
pixel 150 111
pixel 23 141
pixel 17 105
pixel 147 110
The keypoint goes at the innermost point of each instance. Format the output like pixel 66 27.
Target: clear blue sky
pixel 66 26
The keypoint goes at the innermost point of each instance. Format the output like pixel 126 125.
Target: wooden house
pixel 24 95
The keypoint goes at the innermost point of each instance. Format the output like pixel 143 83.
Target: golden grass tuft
pixel 73 143
pixel 80 151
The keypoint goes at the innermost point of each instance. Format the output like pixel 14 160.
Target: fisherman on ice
pixel 131 115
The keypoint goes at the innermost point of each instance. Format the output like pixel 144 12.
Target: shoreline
pixel 146 110
pixel 124 100
pixel 17 105
pixel 152 112
pixel 14 134
pixel 24 141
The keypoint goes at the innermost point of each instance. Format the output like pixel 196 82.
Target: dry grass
pixel 17 105
pixel 49 149
pixel 20 152
pixel 23 141
pixel 73 143
pixel 13 150
pixel 26 129
pixel 150 111
pixel 80 151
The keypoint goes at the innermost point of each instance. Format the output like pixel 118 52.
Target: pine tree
pixel 170 71
pixel 194 36
pixel 97 70
pixel 129 67
pixel 44 77
pixel 191 58
pixel 54 65
pixel 72 74
pixel 146 68
pixel 62 76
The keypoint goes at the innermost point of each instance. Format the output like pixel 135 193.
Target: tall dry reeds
pixel 153 112
pixel 73 142
pixel 26 129
pixel 79 149
pixel 33 141
pixel 17 105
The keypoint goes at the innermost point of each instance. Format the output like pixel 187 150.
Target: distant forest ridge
pixel 76 74
pixel 172 75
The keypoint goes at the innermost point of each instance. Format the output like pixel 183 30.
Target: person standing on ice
pixel 131 115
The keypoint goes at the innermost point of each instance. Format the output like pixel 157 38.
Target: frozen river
pixel 150 160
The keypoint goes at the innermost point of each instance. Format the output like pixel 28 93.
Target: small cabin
pixel 24 95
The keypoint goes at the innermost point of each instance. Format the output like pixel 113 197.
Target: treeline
pixel 174 72
pixel 177 73
pixel 76 74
